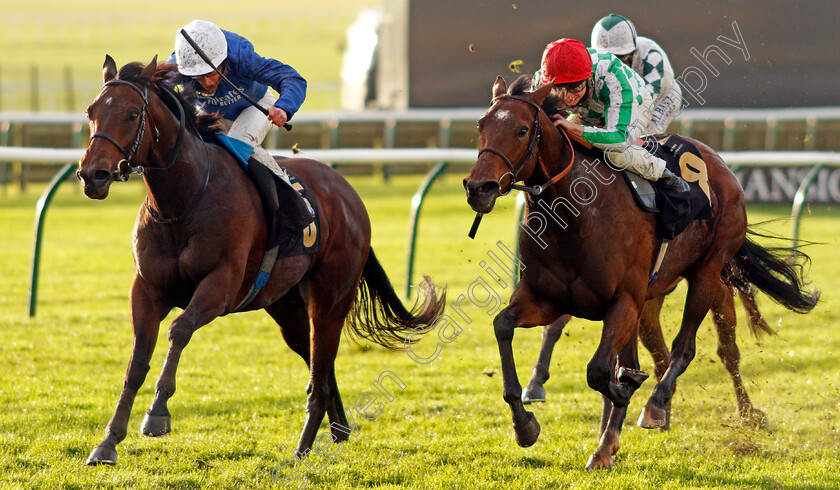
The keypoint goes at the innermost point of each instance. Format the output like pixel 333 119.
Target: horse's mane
pixel 165 78
pixel 525 83
pixel 552 104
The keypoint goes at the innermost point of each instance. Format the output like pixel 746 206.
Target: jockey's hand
pixel 277 116
pixel 555 118
pixel 572 128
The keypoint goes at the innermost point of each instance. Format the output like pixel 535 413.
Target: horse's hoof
pixel 102 455
pixel 338 435
pixel 652 417
pixel 156 425
pixel 632 376
pixel 599 461
pixel 527 433
pixel 533 394
pixel 754 417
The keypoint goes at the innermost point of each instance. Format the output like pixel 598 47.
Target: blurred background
pixel 395 54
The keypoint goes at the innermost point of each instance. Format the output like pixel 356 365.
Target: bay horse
pixel 199 240
pixel 594 262
pixel 650 336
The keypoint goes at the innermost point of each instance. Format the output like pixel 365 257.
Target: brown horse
pixel 593 258
pixel 650 335
pixel 199 240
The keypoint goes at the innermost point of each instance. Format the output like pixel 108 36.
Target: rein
pixel 124 168
pixel 165 221
pixel 533 144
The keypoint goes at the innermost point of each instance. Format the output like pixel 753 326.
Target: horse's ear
pixel 500 87
pixel 109 69
pixel 149 71
pixel 541 93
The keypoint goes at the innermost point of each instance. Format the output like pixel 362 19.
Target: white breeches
pixel 252 126
pixel 630 156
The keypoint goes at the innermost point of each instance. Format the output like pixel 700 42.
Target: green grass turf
pixel 239 406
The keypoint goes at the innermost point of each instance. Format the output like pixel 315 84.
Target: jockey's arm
pixel 569 126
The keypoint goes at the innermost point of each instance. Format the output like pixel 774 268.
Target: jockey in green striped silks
pixel 612 103
pixel 616 34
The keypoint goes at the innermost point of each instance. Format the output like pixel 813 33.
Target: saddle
pixel 291 220
pixel 676 210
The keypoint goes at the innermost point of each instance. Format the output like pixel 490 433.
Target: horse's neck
pixel 569 205
pixel 172 191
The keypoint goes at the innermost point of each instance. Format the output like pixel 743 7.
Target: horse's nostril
pixel 101 175
pixel 489 187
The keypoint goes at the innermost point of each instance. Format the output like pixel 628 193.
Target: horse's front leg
pixel 621 326
pixel 208 302
pixel 524 311
pixel 534 391
pixel 612 418
pixel 147 311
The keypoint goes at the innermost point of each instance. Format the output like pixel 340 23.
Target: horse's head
pixel 509 135
pixel 118 127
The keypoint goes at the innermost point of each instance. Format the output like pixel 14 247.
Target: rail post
pixel 40 215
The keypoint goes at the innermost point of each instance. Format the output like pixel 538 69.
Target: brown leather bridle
pixel 124 168
pixel 533 144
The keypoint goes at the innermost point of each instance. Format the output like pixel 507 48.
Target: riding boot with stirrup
pixel 673 182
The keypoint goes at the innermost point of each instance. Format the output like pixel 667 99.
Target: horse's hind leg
pixel 291 315
pixel 207 303
pixel 327 316
pixel 534 391
pixel 146 315
pixel 650 334
pixel 724 317
pixel 702 289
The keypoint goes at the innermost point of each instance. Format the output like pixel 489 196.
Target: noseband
pixel 124 167
pixel 536 135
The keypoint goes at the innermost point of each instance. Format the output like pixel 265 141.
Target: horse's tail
pixel 777 271
pixel 379 316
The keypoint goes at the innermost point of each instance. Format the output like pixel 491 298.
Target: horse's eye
pixel 523 131
pixel 133 115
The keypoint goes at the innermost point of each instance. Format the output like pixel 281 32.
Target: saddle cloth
pixel 676 210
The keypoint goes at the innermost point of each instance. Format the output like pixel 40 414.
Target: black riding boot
pixel 673 182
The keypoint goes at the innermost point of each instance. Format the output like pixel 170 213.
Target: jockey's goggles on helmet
pixel 574 87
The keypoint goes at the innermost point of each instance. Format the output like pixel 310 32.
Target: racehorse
pixel 594 262
pixel 199 240
pixel 650 335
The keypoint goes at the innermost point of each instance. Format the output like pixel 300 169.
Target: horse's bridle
pixel 533 143
pixel 124 167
